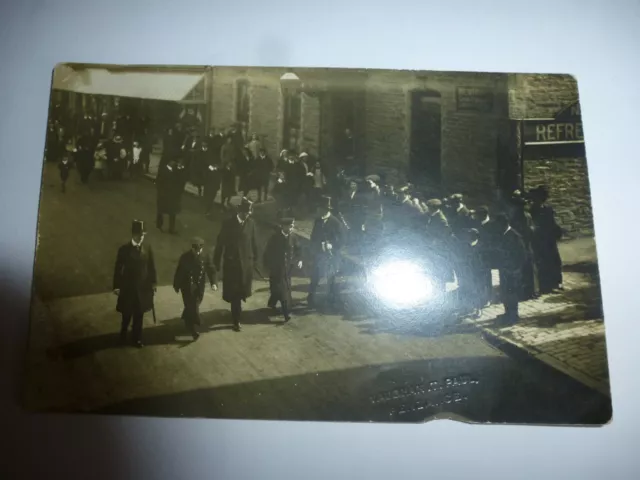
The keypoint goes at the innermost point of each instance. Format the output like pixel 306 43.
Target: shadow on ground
pixel 169 332
pixel 479 389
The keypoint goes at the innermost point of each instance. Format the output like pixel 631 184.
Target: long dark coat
pixel 228 179
pixel 440 245
pixel 511 261
pixel 522 222
pixel 330 230
pixel 280 257
pixel 237 250
pixel 135 276
pixel 190 279
pixel 169 189
pixel 545 247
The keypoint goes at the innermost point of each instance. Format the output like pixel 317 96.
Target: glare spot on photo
pixel 401 283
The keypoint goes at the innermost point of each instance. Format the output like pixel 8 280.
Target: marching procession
pixel 354 213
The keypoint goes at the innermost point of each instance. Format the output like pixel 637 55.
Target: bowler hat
pixel 287 222
pixel 137 227
pixel 197 241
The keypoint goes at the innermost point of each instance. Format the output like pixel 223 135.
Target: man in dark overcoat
pixel 194 267
pixel 439 244
pixel 169 188
pixel 134 282
pixel 521 221
pixel 545 242
pixel 84 157
pixel 281 256
pixel 264 167
pixel 211 176
pixel 327 240
pixel 511 259
pixel 236 249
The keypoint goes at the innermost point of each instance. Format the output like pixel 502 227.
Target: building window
pixel 243 106
pixel 292 121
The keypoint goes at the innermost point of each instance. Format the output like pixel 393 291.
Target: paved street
pixel 325 366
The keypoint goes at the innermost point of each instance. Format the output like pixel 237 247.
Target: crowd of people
pixel 358 213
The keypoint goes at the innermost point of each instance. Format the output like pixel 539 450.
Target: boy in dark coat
pixel 134 282
pixel 194 267
pixel 236 245
pixel 64 166
pixel 281 255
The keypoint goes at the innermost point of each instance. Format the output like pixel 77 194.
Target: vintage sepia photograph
pixel 316 244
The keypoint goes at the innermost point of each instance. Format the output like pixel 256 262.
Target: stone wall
pixel 569 191
pixel 543 96
pixel 468 139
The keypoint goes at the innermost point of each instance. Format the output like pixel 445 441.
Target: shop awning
pixel 152 85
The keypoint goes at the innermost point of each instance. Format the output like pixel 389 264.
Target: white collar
pixel 326 216
pixel 474 243
pixel 435 213
pixel 485 221
pixel 137 245
pixel 508 228
pixel 460 207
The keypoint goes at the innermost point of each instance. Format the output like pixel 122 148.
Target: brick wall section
pixel 569 191
pixel 310 140
pixel 265 101
pixel 468 140
pixel 542 96
pixel 386 146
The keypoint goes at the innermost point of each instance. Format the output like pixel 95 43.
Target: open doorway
pixel 426 125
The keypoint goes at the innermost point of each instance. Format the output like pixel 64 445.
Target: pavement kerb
pixel 499 341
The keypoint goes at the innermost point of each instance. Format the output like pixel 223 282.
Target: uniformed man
pixel 236 244
pixel 134 282
pixel 281 256
pixel 194 267
pixel 326 243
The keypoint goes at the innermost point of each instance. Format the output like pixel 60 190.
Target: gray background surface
pixel 595 40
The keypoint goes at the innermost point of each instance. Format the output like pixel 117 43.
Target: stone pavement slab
pixel 86 369
pixel 553 329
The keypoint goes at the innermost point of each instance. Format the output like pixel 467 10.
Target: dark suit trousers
pixel 136 315
pixel 172 221
pixel 510 293
pixel 236 310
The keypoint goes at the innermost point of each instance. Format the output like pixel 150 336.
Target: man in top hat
pixel 281 255
pixel 236 245
pixel 511 260
pixel 326 243
pixel 459 216
pixel 117 157
pixel 545 241
pixel 439 243
pixel 191 274
pixel 134 282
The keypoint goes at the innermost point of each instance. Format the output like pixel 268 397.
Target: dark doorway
pixel 426 124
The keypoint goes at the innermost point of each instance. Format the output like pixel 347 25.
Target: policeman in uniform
pixel 281 255
pixel 134 282
pixel 191 274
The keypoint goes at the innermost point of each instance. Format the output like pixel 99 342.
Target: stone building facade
pixel 465 118
pixel 539 97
